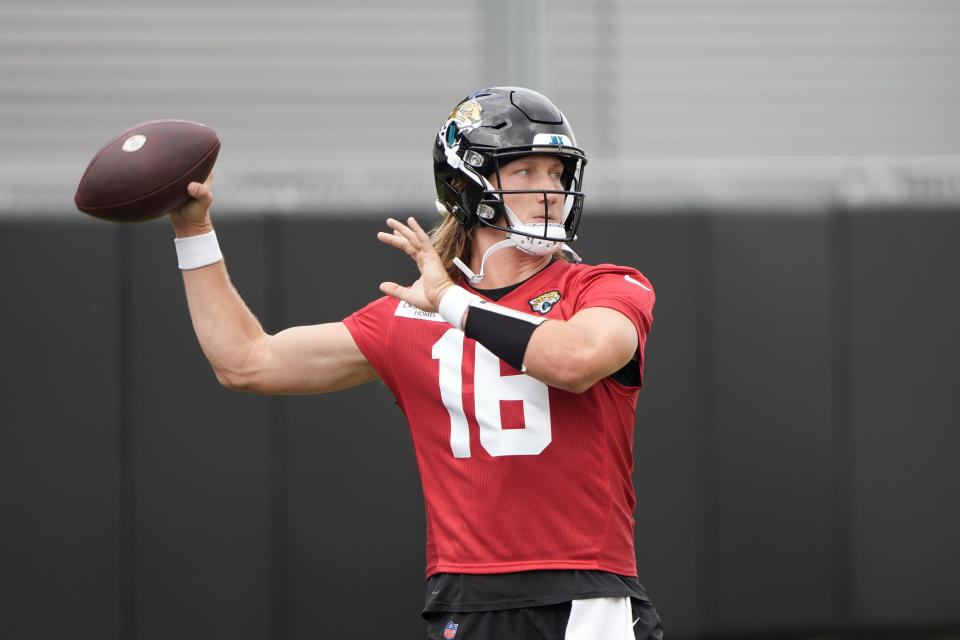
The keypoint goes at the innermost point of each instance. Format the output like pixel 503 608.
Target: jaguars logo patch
pixel 545 301
pixel 466 116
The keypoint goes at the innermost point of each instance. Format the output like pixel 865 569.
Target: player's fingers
pixel 394 240
pixel 201 191
pixel 410 242
pixel 423 239
pixel 416 228
pixel 392 289
pixel 398 241
pixel 414 243
pixel 388 238
pixel 402 230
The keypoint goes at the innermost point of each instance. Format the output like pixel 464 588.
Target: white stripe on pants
pixel 607 618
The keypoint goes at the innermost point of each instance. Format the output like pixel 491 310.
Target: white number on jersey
pixel 489 388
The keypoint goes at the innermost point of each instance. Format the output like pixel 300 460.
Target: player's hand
pixel 193 218
pixel 426 292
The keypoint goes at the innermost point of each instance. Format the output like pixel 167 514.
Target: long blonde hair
pixel 452 240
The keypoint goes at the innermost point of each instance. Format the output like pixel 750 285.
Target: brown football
pixel 143 172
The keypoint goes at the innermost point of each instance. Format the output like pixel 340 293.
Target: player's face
pixel 538 173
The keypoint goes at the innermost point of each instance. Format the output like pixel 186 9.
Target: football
pixel 143 172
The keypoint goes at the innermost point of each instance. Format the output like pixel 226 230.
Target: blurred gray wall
pixel 677 102
pixel 785 173
pixel 795 443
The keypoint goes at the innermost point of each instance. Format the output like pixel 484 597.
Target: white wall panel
pixel 676 101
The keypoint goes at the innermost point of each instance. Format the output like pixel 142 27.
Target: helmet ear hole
pixel 450 191
pixel 464 209
pixel 453 198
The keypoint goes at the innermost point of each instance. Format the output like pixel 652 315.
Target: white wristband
pixel 194 252
pixel 454 303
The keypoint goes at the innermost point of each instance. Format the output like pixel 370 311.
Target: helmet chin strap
pixel 538 246
pixel 477 278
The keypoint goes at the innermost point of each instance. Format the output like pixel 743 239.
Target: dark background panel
pixel 355 547
pixel 795 436
pixel 667 441
pixel 353 504
pixel 906 398
pixel 773 434
pixel 204 458
pixel 60 506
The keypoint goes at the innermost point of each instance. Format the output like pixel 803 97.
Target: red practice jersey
pixel 516 475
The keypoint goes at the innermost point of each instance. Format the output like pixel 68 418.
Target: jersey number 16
pixel 489 388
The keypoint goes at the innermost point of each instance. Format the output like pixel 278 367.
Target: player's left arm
pixel 577 353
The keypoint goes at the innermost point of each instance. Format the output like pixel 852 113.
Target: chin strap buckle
pixel 471 276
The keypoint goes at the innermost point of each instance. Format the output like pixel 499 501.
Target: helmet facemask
pixel 537 238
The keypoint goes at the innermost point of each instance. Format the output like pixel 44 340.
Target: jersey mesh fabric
pixel 516 475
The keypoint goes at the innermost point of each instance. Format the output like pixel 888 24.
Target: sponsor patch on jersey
pixel 405 310
pixel 545 301
pixel 450 631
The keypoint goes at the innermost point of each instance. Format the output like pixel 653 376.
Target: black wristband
pixel 506 333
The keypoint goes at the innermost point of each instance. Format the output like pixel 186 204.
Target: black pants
pixel 534 623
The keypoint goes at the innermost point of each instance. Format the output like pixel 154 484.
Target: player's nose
pixel 547 184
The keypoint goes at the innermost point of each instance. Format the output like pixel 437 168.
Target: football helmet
pixel 485 131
